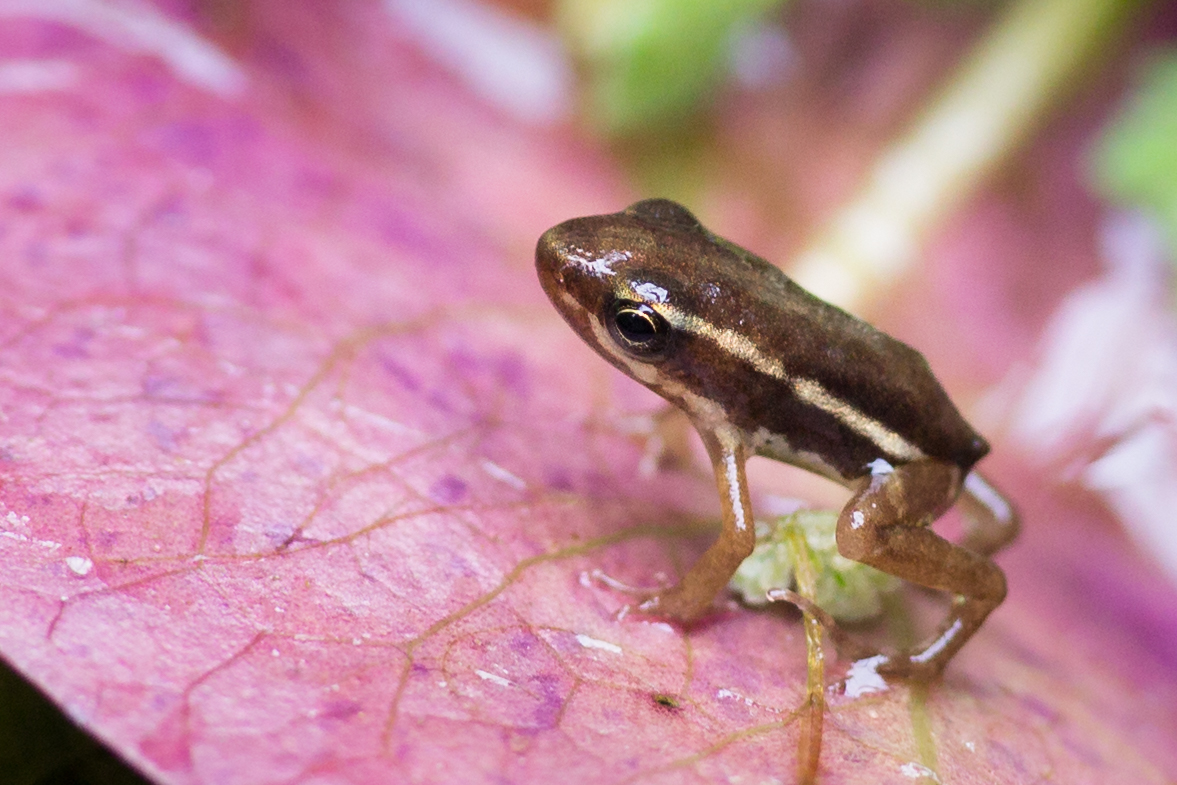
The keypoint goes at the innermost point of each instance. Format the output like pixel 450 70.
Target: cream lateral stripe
pixel 729 340
pixel 808 390
pixel 731 474
pixel 883 437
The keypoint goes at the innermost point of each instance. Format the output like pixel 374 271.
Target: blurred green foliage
pixel 39 746
pixel 1135 162
pixel 647 64
pixel 651 62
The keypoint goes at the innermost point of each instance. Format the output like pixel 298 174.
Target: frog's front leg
pixel 886 524
pixel 693 595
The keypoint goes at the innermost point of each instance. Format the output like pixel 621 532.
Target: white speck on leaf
pixel 80 565
pixel 593 643
pixel 50 544
pixel 502 475
pixel 724 693
pixel 916 771
pixel 492 678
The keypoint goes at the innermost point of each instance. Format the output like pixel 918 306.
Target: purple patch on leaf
pixel 552 699
pixel 400 374
pixel 163 436
pixel 448 490
pixel 558 479
pixel 512 372
pixel 190 141
pixel 169 388
pixel 26 200
pixel 340 709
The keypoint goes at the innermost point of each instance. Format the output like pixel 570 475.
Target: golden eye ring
pixel 639 329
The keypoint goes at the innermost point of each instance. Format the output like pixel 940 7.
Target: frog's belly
pixel 777 447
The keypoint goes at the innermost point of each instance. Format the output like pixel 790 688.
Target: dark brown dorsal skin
pixel 763 367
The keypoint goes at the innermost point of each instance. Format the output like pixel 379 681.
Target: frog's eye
pixel 639 329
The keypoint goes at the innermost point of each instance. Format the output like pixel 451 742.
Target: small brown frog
pixel 762 367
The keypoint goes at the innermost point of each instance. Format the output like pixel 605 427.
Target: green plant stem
pixel 1033 54
pixel 809 743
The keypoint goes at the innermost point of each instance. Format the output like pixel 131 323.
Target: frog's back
pixel 740 343
pixel 839 394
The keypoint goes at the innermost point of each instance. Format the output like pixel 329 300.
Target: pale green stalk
pixel 1033 55
pixel 813 716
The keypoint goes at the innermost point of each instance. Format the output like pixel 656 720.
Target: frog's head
pixel 645 287
pixel 619 279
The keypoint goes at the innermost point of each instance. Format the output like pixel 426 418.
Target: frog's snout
pixel 549 262
pixel 547 257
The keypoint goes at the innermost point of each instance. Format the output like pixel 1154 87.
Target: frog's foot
pixel 684 604
pixel 909 667
pixel 876 673
pixel 642 593
pixel 965 616
pixel 646 601
pixel 679 605
pixel 669 602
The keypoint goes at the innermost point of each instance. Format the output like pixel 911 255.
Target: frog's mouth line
pixel 605 345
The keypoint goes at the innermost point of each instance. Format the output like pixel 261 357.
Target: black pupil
pixel 637 325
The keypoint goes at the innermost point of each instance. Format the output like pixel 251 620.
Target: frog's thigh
pixel 885 525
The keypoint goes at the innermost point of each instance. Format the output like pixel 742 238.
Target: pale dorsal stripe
pixel 883 437
pixel 808 390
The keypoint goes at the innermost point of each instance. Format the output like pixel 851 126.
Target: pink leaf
pixel 302 479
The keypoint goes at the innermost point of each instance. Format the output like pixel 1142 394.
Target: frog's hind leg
pixel 993 521
pixel 886 524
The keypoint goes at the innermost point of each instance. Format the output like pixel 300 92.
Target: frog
pixel 762 367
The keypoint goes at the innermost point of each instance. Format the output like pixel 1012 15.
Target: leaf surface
pixel 303 481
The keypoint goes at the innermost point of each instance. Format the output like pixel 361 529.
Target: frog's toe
pixel 674 606
pixel 909 668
